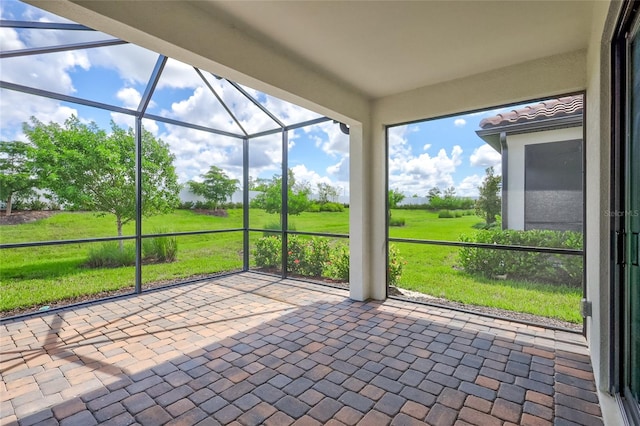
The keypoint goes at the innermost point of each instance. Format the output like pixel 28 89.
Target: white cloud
pixel 460 122
pixel 49 72
pixel 9 40
pixel 302 174
pixel 18 108
pixel 469 186
pixel 134 65
pixel 130 97
pixel 485 156
pixel 416 174
pixel 334 142
pixel 312 178
pixel 340 170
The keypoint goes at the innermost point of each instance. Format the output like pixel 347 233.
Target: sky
pixel 442 152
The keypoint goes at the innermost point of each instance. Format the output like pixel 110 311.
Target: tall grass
pixel 110 255
pixel 160 249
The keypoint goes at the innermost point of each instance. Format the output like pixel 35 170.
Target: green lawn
pixel 37 276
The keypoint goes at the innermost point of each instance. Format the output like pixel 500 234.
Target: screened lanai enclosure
pixel 125 170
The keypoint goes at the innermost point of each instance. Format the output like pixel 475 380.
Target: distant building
pixel 542 163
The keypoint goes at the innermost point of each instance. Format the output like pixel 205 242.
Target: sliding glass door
pixel 631 284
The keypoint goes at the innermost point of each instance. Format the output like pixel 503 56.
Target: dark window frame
pixel 627 18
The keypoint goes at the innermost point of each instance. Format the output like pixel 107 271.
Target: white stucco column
pixel 378 210
pixel 367 278
pixel 358 223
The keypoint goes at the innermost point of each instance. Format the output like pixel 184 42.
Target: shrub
pixel 458 213
pixel 396 221
pixel 451 203
pixel 160 249
pixel 53 205
pixel 306 256
pixel 36 205
pixel 396 264
pixel 186 205
pixel 230 206
pixel 296 255
pixel 268 252
pixel 413 207
pixel 109 255
pixel 338 264
pixel 204 205
pixel 529 266
pixel 446 214
pixel 331 207
pixel 315 257
pixel 314 208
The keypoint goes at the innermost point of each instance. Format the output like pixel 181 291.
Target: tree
pixel 258 184
pixel 270 198
pixel 434 193
pixel 395 197
pixel 89 169
pixel 216 186
pixel 326 193
pixel 17 176
pixel 489 204
pixel 450 192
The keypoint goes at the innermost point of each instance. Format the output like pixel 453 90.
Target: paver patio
pixel 252 349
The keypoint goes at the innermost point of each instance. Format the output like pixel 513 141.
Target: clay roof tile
pixel 565 106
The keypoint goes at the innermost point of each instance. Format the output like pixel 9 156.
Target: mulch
pixel 20 217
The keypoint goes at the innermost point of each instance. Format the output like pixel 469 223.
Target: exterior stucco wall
pixel 516 167
pixel 597 196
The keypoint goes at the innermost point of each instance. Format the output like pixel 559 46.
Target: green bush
pixel 520 265
pixel 210 205
pixel 305 256
pixel 331 207
pixel 268 252
pixel 338 264
pixel 413 207
pixel 458 213
pixel 396 264
pixel 186 205
pixel 53 206
pixel 160 249
pixel 36 205
pixel 396 221
pixel 313 208
pixel 230 206
pixel 451 203
pixel 315 257
pixel 446 214
pixel 110 255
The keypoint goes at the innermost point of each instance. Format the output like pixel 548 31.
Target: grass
pixel 37 276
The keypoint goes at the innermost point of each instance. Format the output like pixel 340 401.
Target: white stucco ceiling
pixel 335 56
pixel 383 48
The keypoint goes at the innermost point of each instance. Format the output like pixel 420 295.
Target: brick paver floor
pixel 250 349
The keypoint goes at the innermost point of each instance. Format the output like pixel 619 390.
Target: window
pixel 486 208
pixel 626 208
